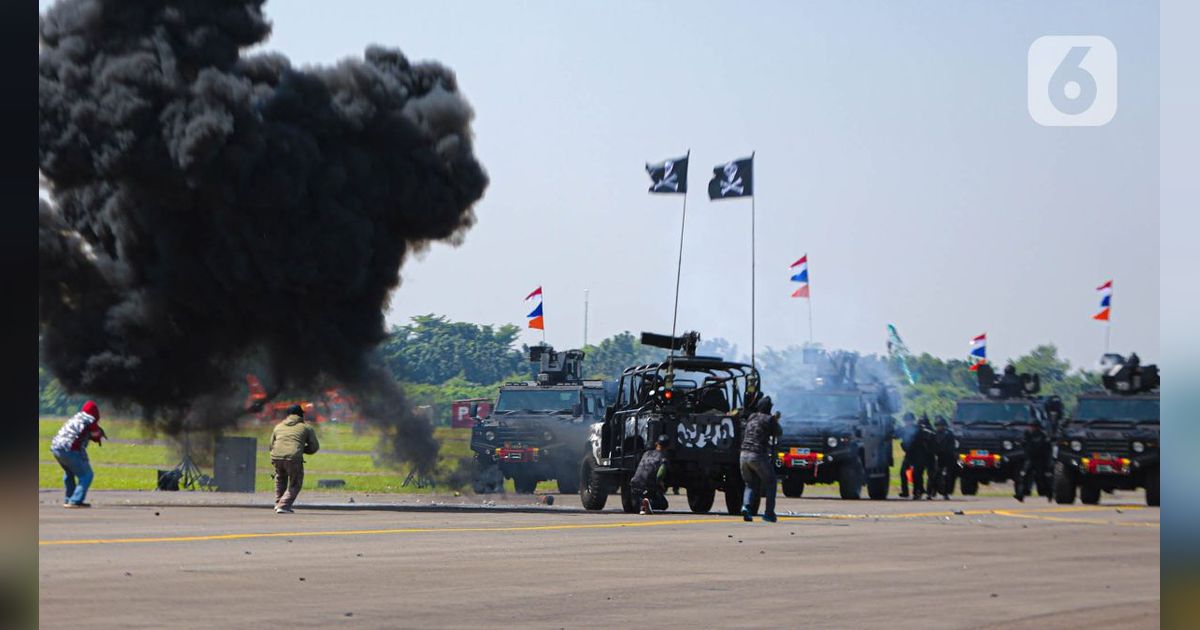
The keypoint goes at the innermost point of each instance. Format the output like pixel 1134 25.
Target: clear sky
pixel 893 146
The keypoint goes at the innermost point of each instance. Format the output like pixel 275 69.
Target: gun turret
pixel 1009 385
pixel 557 367
pixel 685 342
pixel 1129 376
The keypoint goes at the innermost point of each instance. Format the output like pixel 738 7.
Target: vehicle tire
pixel 878 487
pixel 792 487
pixel 969 486
pixel 733 492
pixel 628 505
pixel 850 480
pixel 487 479
pixel 592 492
pixel 1089 493
pixel 524 484
pixel 1064 485
pixel 700 498
pixel 568 479
pixel 1152 487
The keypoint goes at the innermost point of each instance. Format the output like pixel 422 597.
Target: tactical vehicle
pixel 538 430
pixel 990 428
pixel 1111 441
pixel 836 429
pixel 699 402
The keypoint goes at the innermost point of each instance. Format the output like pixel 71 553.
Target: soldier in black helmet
pixel 921 457
pixel 1036 445
pixel 757 465
pixel 944 453
pixel 647 483
pixel 907 432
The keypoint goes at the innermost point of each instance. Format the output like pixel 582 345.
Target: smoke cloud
pixel 213 210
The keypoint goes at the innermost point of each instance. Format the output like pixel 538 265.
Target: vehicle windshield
pixel 1116 409
pixel 813 406
pixel 546 400
pixel 983 412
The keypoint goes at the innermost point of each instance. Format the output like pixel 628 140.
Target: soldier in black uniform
pixel 920 456
pixel 1037 459
pixel 757 465
pixel 647 482
pixel 906 434
pixel 944 453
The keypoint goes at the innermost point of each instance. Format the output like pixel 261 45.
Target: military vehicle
pixel 538 430
pixel 1111 441
pixel 836 429
pixel 699 402
pixel 990 428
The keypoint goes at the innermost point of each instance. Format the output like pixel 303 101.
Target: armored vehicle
pixel 1111 441
pixel 538 430
pixel 836 429
pixel 990 428
pixel 699 402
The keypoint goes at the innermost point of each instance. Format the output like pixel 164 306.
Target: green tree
pixel 611 356
pixel 432 349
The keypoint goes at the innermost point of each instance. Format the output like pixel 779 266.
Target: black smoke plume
pixel 213 209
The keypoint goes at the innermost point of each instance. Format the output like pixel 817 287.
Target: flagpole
pixel 810 327
pixel 752 263
pixel 543 296
pixel 679 267
pixel 1108 323
pixel 585 316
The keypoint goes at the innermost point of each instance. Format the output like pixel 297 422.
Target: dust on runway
pixel 838 564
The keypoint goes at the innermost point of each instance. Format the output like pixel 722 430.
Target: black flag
pixel 732 179
pixel 669 176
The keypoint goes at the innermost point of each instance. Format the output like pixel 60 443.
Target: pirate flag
pixel 732 179
pixel 669 176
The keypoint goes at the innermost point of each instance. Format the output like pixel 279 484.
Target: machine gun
pixel 557 368
pixel 1129 376
pixel 1009 385
pixel 685 342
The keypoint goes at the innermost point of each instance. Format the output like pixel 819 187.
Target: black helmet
pixel 924 421
pixel 941 422
pixel 909 417
pixel 296 410
pixel 663 439
pixel 764 404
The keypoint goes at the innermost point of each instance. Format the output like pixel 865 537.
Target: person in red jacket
pixel 69 447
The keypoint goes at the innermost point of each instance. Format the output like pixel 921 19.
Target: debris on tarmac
pixel 959 512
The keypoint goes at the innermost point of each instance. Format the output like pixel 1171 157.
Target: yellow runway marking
pixel 1032 513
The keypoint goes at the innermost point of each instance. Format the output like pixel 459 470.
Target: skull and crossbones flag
pixel 732 179
pixel 668 176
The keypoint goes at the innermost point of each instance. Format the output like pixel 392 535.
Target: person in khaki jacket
pixel 291 440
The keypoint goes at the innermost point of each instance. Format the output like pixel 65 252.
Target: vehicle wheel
pixel 1152 487
pixel 592 492
pixel 488 479
pixel 568 479
pixel 1064 485
pixel 969 486
pixel 850 480
pixel 700 498
pixel 628 505
pixel 878 487
pixel 1089 493
pixel 792 487
pixel 733 492
pixel 524 484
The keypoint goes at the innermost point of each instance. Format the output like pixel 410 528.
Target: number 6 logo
pixel 1072 81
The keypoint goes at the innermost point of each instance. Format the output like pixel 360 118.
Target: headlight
pixel 1076 445
pixel 490 436
pixel 548 436
pixel 1007 445
pixel 1138 447
pixel 831 441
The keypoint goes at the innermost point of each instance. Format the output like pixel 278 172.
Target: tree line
pixel 439 361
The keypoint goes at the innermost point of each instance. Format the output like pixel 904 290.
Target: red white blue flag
pixel 979 351
pixel 536 319
pixel 1105 301
pixel 800 274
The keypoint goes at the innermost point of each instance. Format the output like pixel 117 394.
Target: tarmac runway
pixel 202 560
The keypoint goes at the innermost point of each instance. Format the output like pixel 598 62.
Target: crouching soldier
pixel 291 440
pixel 69 448
pixel 647 483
